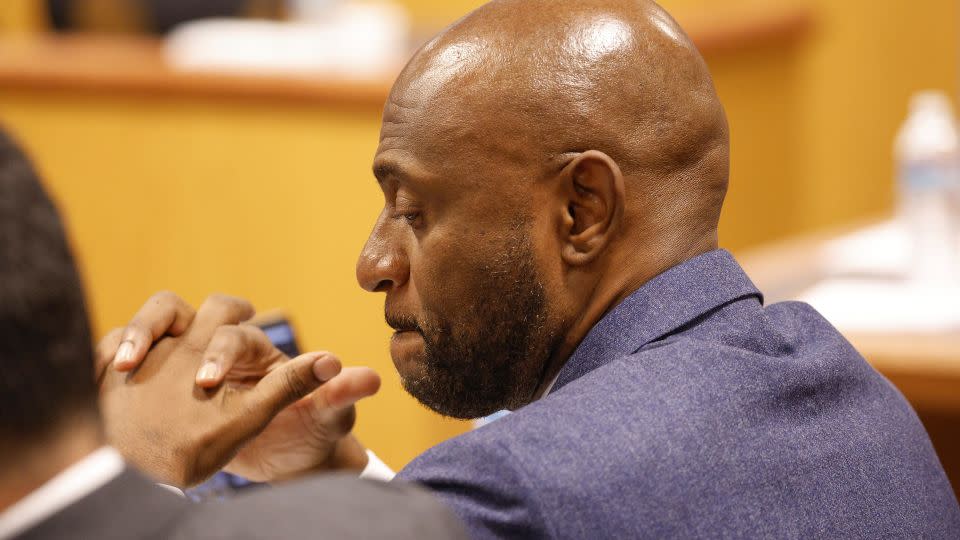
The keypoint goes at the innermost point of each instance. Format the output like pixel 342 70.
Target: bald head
pixel 550 77
pixel 540 160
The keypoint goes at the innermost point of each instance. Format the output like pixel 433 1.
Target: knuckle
pixel 165 297
pixel 255 333
pixel 218 299
pixel 226 340
pixel 134 330
pixel 103 348
pixel 216 304
pixel 228 307
pixel 293 386
pixel 256 339
pixel 180 303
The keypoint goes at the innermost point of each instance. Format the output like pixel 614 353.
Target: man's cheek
pixel 443 276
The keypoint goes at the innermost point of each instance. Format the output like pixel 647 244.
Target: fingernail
pixel 208 372
pixel 325 368
pixel 124 354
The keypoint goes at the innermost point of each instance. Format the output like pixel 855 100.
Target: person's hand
pixel 311 434
pixel 182 434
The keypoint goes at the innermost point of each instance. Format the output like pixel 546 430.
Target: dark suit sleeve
pixel 329 507
pixel 484 486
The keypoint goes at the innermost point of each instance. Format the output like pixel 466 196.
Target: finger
pixel 332 405
pixel 163 314
pixel 216 311
pixel 241 351
pixel 105 352
pixel 347 388
pixel 290 382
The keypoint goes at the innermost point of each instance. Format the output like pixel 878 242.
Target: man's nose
pixel 382 264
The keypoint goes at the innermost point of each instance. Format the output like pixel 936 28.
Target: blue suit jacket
pixel 691 410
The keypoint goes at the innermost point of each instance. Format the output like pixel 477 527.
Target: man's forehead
pixel 457 107
pixel 454 139
pixel 440 69
pixel 427 128
pixel 445 77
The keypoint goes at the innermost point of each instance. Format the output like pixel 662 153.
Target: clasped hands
pixel 185 393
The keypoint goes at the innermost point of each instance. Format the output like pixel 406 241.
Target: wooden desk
pixel 135 65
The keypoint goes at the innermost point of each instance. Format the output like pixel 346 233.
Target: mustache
pixel 402 322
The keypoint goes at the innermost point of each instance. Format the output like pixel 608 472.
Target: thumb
pixel 347 388
pixel 291 381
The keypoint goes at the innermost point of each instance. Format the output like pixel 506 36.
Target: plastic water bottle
pixel 928 156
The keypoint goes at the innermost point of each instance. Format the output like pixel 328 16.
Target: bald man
pixel 553 175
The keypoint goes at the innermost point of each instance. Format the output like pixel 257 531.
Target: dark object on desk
pixel 280 331
pixel 166 14
pixel 162 15
pixel 59 11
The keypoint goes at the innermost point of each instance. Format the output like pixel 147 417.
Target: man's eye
pixel 412 218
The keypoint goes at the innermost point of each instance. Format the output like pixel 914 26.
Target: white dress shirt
pixel 375 469
pixel 72 484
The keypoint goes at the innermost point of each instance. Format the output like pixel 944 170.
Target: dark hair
pixel 46 356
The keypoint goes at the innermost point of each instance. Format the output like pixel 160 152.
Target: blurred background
pixel 225 145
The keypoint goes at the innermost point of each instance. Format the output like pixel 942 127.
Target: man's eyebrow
pixel 383 171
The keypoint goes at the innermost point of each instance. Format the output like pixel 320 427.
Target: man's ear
pixel 593 187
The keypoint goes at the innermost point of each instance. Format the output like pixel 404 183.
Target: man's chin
pixel 445 398
pixel 449 385
pixel 407 350
pixel 444 406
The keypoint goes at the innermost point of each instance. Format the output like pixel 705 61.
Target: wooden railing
pixel 136 65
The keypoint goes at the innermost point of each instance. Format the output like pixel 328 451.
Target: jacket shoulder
pixel 479 476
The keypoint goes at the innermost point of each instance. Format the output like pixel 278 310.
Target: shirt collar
pixel 72 484
pixel 664 304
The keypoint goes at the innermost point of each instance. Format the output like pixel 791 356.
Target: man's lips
pixel 405 345
pixel 402 323
pixel 405 333
pixel 401 329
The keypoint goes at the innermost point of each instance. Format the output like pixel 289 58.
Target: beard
pixel 492 355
